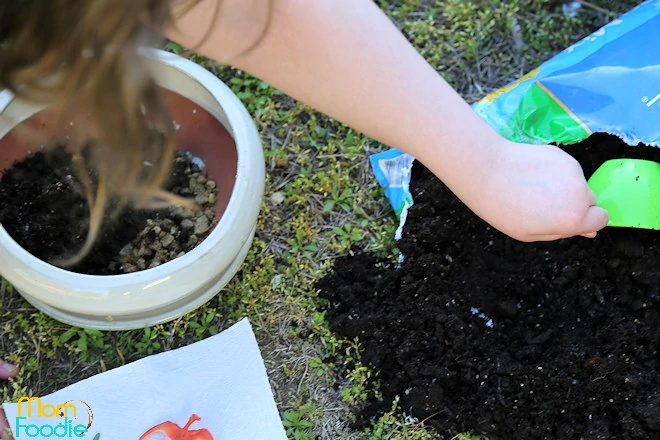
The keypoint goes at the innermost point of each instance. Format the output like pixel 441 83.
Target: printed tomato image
pixel 172 431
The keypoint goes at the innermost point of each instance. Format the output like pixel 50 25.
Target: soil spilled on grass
pixel 44 210
pixel 476 331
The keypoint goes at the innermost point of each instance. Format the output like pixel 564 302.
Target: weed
pixel 255 94
pixel 204 325
pixel 393 426
pixel 298 422
pixel 174 47
pixel 87 342
pixel 148 343
pixel 359 385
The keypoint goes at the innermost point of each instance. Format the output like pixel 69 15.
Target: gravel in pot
pixel 45 211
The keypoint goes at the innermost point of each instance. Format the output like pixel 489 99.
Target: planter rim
pixel 233 228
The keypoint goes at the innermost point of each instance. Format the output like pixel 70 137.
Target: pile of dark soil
pixel 44 210
pixel 476 331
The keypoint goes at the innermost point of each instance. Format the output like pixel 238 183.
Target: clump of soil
pixel 476 331
pixel 44 210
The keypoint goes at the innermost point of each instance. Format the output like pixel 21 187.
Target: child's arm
pixel 346 59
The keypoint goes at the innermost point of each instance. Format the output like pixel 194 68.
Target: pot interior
pixel 199 132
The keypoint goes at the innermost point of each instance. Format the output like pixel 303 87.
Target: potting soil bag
pixel 609 82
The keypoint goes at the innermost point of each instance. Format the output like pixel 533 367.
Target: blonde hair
pixel 84 53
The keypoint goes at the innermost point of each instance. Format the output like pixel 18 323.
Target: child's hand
pixel 7 370
pixel 535 193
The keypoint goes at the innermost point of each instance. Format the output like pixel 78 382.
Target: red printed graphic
pixel 174 432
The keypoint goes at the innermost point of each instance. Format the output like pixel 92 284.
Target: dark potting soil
pixel 476 331
pixel 44 210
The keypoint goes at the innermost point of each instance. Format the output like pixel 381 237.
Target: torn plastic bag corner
pixel 392 169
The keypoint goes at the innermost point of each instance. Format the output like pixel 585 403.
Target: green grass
pixel 320 203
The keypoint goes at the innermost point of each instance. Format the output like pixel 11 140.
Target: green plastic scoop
pixel 629 190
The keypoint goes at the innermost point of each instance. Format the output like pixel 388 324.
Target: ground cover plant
pixel 321 201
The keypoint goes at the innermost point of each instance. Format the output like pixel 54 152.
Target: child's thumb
pixel 595 220
pixel 7 370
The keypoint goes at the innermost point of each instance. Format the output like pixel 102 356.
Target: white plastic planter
pixel 209 116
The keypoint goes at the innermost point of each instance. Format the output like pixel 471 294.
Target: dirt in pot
pixel 45 211
pixel 476 331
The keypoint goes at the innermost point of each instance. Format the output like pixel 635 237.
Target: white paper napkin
pixel 222 380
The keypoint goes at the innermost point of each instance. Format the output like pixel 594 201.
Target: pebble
pixel 277 198
pixel 201 199
pixel 180 212
pixel 202 225
pixel 167 240
pixel 186 224
pixel 126 250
